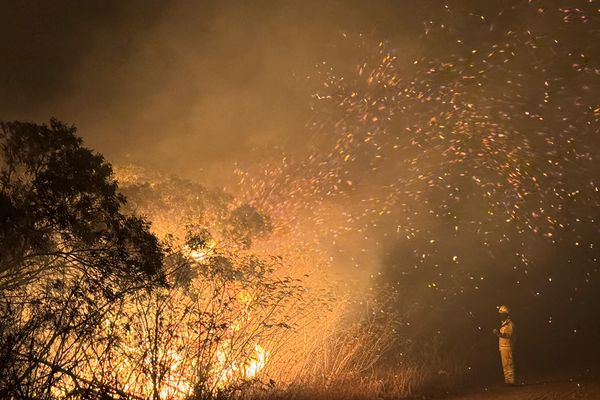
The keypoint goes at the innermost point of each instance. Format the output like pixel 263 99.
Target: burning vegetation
pixel 98 303
pixel 83 313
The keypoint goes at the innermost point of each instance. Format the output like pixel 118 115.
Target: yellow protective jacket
pixel 507 335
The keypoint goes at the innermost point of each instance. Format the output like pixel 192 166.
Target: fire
pixel 257 363
pixel 173 363
pixel 247 369
pixel 199 256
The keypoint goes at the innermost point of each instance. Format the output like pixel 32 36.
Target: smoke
pixel 189 87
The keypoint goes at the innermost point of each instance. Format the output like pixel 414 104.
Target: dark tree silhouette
pixel 59 204
pixel 68 255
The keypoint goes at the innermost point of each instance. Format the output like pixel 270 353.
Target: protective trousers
pixel 508 364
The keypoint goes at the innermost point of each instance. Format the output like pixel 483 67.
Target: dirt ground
pixel 559 389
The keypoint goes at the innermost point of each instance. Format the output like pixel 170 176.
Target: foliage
pixel 59 204
pixel 68 254
pixel 92 305
pixel 228 307
pixel 174 205
pixel 201 342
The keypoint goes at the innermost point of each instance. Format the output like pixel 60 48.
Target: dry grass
pixel 405 383
pixel 340 359
pixel 350 367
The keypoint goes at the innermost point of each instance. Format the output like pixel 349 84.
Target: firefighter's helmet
pixel 503 310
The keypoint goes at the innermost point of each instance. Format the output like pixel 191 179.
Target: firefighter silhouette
pixel 507 339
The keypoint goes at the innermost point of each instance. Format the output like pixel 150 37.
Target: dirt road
pixel 584 389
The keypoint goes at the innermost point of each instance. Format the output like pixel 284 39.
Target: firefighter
pixel 507 339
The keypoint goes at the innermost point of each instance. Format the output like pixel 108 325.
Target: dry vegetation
pixel 84 315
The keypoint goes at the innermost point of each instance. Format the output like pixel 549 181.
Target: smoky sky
pixel 186 86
